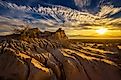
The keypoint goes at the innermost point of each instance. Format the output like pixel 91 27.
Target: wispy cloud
pixel 108 10
pixel 48 18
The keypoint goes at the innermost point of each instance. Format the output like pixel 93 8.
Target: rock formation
pixel 36 55
pixel 59 35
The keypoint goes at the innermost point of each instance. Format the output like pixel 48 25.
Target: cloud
pixel 7 25
pixel 108 10
pixel 58 16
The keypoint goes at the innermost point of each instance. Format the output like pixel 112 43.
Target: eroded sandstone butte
pixel 36 55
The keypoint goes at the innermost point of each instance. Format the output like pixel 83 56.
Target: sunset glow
pixel 101 31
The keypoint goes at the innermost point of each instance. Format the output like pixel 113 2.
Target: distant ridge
pixel 36 33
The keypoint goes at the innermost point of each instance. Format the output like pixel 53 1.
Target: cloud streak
pixel 51 18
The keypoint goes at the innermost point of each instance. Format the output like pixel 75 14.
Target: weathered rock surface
pixel 36 55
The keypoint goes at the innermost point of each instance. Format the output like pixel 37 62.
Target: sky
pixel 81 19
pixel 93 34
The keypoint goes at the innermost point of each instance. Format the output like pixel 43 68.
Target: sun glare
pixel 101 31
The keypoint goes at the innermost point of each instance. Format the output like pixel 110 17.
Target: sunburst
pixel 101 31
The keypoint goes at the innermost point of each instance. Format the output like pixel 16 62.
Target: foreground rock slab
pixel 36 55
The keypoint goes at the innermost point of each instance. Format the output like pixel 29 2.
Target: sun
pixel 101 31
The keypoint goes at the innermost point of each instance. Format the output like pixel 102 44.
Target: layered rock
pixel 36 55
pixel 59 35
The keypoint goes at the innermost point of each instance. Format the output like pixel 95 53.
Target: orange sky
pixel 92 33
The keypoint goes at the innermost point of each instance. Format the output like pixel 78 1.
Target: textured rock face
pixel 59 35
pixel 53 57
